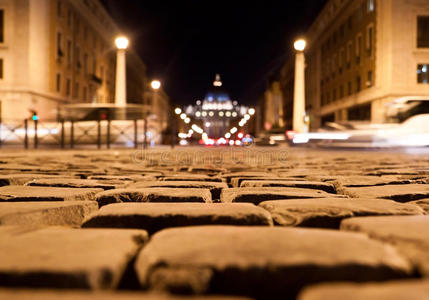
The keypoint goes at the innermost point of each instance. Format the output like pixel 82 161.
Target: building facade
pixel 360 55
pixel 55 52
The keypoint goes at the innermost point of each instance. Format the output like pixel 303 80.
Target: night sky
pixel 185 43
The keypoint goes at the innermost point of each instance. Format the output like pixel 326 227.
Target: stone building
pixel 360 55
pixel 55 52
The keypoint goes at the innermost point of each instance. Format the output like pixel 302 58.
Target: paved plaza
pixel 214 223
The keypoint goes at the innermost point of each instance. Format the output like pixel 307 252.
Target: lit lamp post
pixel 120 87
pixel 298 122
pixel 155 85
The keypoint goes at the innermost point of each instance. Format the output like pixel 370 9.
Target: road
pixel 218 223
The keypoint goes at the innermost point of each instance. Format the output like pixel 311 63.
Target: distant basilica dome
pixel 217 93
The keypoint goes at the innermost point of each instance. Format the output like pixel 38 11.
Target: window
pixel 422 73
pixel 76 90
pixel 85 63
pixel 341 61
pixel 358 84
pixel 68 87
pixel 84 94
pixel 59 41
pixel 348 53
pixel 349 88
pixel 1 68
pixel 58 83
pixel 359 113
pixel 77 54
pixel 341 91
pixel 370 6
pixel 358 48
pixel 69 54
pixel 369 81
pixel 59 8
pixel 423 31
pixel 69 18
pixel 369 39
pixel 334 95
pixel 1 26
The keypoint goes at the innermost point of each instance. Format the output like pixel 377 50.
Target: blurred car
pixel 409 127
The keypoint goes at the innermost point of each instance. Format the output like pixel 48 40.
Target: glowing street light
pixel 183 116
pixel 233 130
pixel 187 120
pixel 121 42
pixel 251 111
pixel 228 135
pixel 300 44
pixel 155 84
pixel 178 111
pixel 246 117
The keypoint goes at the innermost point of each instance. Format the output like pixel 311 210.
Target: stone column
pixel 298 124
pixel 120 88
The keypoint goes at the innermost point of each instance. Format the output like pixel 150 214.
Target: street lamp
pixel 155 84
pixel 298 122
pixel 121 88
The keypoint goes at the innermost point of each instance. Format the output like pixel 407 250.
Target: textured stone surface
pixel 394 290
pixel 214 187
pixel 328 213
pixel 156 216
pixel 262 261
pixel 400 193
pixel 361 181
pixel 37 193
pixel 66 258
pixel 409 234
pixel 423 203
pixel 191 177
pixel 258 194
pixel 154 195
pixel 77 183
pixel 21 179
pixel 36 294
pixel 313 185
pixel 46 213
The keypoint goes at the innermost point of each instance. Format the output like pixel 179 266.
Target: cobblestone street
pixel 214 223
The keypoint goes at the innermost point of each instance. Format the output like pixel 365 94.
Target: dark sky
pixel 185 43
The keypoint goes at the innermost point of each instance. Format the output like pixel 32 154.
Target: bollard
pixel 145 134
pixel 72 134
pixel 135 135
pixel 36 140
pixel 98 134
pixel 26 134
pixel 62 134
pixel 108 134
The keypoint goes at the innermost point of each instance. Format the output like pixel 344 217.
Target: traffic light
pixel 35 117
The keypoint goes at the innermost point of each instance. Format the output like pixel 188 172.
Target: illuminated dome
pixel 217 93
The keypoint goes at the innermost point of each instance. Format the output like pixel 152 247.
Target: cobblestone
pixel 143 226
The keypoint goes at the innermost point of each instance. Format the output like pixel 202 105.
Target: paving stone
pixel 21 179
pixel 66 258
pixel 361 181
pixel 214 187
pixel 262 261
pixel 393 290
pixel 423 203
pixel 380 172
pixel 256 195
pixel 191 177
pixel 37 294
pixel 156 216
pixel 46 213
pixel 236 181
pixel 400 193
pixel 154 195
pixel 15 193
pixel 327 187
pixel 408 234
pixel 328 212
pixel 76 183
pixel 250 174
